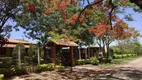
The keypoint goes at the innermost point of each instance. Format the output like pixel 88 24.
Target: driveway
pixel 129 71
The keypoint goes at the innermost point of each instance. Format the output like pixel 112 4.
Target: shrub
pixel 27 59
pixel 59 67
pixel 8 72
pixel 19 71
pixel 81 61
pixel 44 67
pixel 94 61
pixel 87 61
pixel 133 54
pixel 107 60
pixel 117 56
pixel 5 62
pixel 1 76
pixel 124 55
pixel 32 51
pixel 41 61
pixel 129 55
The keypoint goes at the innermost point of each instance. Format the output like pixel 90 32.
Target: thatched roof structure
pixel 61 43
pixel 17 41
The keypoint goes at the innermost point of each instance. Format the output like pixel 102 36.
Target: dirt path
pixel 136 64
pixel 130 71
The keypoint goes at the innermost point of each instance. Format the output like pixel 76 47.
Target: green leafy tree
pixel 32 51
pixel 18 53
pixel 130 46
pixel 16 49
pixel 69 18
pixel 8 11
pixel 137 2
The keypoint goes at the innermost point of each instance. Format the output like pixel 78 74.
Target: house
pixel 7 48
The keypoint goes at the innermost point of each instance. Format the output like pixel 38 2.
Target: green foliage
pixel 18 71
pixel 107 60
pixel 124 55
pixel 59 67
pixel 130 46
pixel 8 10
pixel 8 72
pixel 37 24
pixel 116 49
pixel 41 61
pixel 81 61
pixel 123 60
pixel 115 56
pixel 94 61
pixel 16 49
pixel 37 27
pixel 119 56
pixel 1 76
pixel 87 61
pixel 31 58
pixel 44 67
pixel 32 51
pixel 27 59
pixel 5 62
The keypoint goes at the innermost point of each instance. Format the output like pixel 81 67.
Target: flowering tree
pixel 105 35
pixel 67 17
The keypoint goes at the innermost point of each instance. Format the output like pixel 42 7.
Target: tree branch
pixel 89 5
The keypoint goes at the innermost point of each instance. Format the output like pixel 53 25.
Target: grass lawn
pixel 119 61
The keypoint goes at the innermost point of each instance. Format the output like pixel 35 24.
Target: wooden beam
pixel 72 56
pixel 54 55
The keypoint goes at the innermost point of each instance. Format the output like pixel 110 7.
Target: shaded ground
pixel 129 71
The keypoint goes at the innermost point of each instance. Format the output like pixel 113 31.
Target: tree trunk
pixel 86 53
pixel 19 58
pixel 38 54
pixel 108 51
pixel 103 48
pixel 79 53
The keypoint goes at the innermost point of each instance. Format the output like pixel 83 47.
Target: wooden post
pixel 72 56
pixel 88 52
pixel 54 55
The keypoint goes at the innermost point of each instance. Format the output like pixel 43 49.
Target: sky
pixel 137 23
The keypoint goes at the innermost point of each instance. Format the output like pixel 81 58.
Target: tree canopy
pixel 8 11
pixel 77 20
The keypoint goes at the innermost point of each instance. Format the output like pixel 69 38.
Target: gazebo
pixel 61 43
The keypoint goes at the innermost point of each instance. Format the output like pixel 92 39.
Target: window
pixel 2 51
